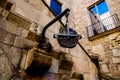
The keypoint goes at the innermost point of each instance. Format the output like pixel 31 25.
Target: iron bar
pixel 53 21
pixel 108 23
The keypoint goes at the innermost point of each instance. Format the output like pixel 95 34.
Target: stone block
pixel 37 4
pixel 65 77
pixel 116 73
pixel 119 67
pixel 81 65
pixel 66 50
pixel 6 37
pixel 77 76
pixel 65 56
pixel 90 77
pixel 54 66
pixel 37 64
pixel 99 48
pixel 23 60
pixel 5 67
pixel 77 51
pixel 63 71
pixel 50 76
pixel 23 43
pixel 18 20
pixel 116 60
pixel 116 52
pixel 105 61
pixel 14 54
pixel 22 7
pixel 104 68
pixel 113 67
pixel 56 54
pixel 31 11
pixel 25 33
pixel 1 51
pixel 13 29
pixel 33 37
pixel 5 13
pixel 74 79
pixel 66 65
pixel 2 21
pixel 65 61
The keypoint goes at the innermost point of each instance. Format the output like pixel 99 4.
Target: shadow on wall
pixel 36 64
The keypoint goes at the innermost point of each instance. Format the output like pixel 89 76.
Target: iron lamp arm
pixel 54 20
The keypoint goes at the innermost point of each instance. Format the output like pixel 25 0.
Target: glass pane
pixel 55 6
pixel 102 8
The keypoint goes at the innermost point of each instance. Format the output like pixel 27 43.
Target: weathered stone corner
pixel 37 64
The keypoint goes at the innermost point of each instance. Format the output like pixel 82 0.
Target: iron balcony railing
pixel 104 25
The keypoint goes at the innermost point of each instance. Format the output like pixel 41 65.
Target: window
pixel 97 13
pixel 100 8
pixel 55 7
pixel 100 18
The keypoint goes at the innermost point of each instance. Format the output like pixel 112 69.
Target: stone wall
pixel 21 23
pixel 114 7
pixel 20 27
pixel 79 20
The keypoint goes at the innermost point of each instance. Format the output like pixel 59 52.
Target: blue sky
pixel 102 8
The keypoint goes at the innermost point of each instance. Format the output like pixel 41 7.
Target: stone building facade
pixel 21 23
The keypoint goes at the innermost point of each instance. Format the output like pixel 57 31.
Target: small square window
pixel 98 12
pixel 55 6
pixel 100 18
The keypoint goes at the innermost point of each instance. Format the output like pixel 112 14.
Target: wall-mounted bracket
pixel 70 35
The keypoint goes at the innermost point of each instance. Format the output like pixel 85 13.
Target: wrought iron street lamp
pixel 67 38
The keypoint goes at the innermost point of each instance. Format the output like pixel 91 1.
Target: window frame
pixel 59 3
pixel 96 19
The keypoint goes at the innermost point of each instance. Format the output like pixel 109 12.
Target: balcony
pixel 104 27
